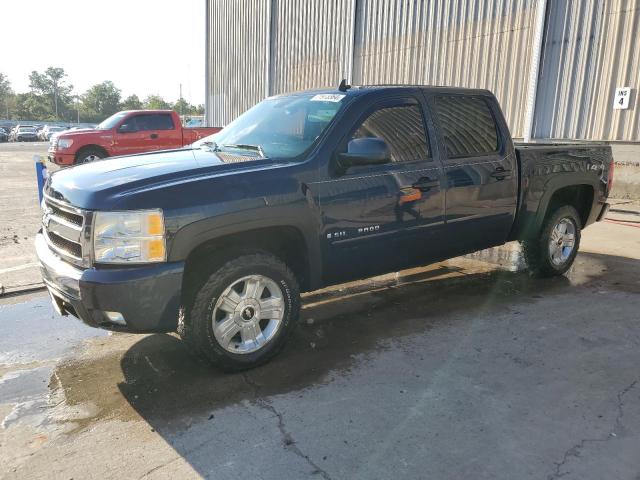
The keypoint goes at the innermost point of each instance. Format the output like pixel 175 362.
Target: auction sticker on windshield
pixel 327 97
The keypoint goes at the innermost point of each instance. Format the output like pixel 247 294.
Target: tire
pixel 553 252
pixel 228 322
pixel 89 155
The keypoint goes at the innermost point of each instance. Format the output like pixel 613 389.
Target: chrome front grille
pixel 66 230
pixel 76 219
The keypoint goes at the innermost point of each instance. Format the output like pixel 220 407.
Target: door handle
pixel 500 173
pixel 426 183
pixel 154 135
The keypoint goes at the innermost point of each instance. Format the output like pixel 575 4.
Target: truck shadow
pixel 172 390
pixel 338 328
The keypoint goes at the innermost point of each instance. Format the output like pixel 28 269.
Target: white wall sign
pixel 621 100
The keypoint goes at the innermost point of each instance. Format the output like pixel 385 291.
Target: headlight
pixel 65 143
pixel 129 237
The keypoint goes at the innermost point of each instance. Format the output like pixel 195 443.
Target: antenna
pixel 343 85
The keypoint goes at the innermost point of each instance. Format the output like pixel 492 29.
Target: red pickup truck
pixel 125 133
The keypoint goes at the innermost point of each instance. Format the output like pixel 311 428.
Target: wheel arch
pixel 92 146
pixel 578 192
pixel 287 242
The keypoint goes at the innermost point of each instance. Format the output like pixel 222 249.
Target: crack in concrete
pixel 620 395
pixel 158 467
pixel 288 441
pixel 575 450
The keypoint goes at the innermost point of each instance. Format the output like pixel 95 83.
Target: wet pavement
pixel 465 369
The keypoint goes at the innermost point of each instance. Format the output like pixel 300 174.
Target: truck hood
pixel 85 133
pixel 101 185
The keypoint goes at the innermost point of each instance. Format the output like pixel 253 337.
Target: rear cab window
pixel 468 126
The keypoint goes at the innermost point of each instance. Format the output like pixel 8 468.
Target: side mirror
pixel 365 151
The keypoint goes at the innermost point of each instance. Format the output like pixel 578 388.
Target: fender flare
pixel 554 185
pixel 193 235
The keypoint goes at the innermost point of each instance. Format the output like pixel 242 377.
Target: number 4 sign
pixel 621 101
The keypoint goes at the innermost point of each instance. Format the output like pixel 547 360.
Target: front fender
pixel 195 234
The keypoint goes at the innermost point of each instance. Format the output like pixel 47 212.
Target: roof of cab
pixel 357 90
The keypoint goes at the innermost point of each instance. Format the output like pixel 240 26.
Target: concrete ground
pixel 464 369
pixel 20 215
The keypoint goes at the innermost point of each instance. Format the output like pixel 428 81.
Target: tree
pixel 6 95
pixel 100 101
pixel 51 85
pixel 132 102
pixel 183 107
pixel 156 102
pixel 29 106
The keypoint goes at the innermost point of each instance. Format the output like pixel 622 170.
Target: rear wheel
pixel 555 249
pixel 243 313
pixel 89 155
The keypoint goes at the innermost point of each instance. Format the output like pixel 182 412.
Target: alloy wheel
pixel 562 241
pixel 248 314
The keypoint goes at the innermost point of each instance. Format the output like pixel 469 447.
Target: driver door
pixel 385 217
pixel 145 133
pixel 130 136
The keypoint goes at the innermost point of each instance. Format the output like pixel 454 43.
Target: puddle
pixel 33 338
pixel 32 332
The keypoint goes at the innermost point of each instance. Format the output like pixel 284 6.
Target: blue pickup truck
pixel 304 190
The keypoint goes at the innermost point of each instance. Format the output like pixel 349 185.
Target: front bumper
pixel 61 158
pixel 147 296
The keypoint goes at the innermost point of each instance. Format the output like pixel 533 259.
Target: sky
pixel 143 46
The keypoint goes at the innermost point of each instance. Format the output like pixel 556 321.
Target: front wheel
pixel 556 247
pixel 89 155
pixel 243 313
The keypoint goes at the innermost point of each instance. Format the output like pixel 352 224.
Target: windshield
pixel 282 127
pixel 112 121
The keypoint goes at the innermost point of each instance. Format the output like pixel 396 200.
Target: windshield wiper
pixel 246 146
pixel 211 144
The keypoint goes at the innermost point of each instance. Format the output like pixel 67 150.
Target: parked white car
pixel 46 133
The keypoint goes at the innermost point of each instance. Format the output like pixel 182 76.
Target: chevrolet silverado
pixel 305 190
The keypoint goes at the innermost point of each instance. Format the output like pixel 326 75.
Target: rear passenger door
pixel 480 171
pixel 381 218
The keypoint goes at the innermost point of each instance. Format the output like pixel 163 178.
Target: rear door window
pixel 468 126
pixel 153 122
pixel 161 122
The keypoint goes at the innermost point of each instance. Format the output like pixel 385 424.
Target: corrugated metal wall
pixel 310 44
pixel 590 48
pixel 467 43
pixel 236 57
